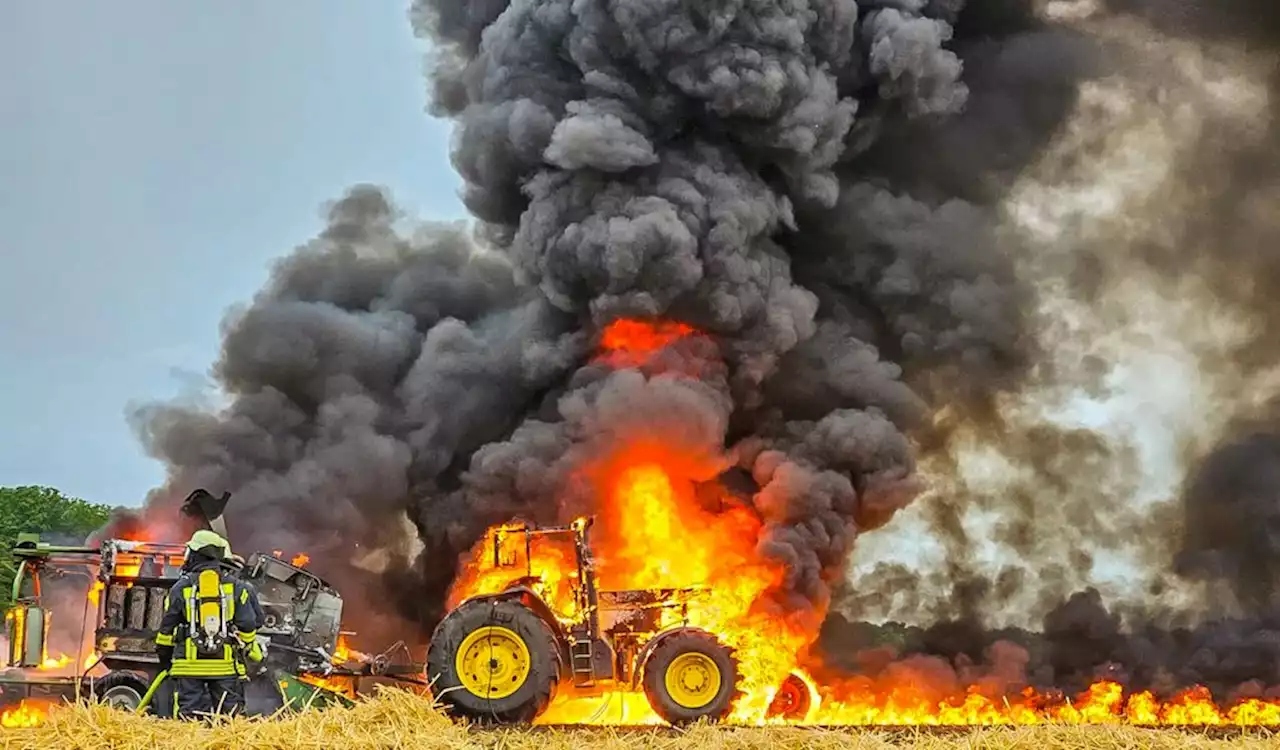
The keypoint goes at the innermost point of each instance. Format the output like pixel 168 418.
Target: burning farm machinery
pixel 123 584
pixel 499 657
pixel 502 657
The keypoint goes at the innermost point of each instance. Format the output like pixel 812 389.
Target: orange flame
pixel 128 570
pixel 49 664
pixel 344 686
pixel 630 343
pixel 906 705
pixel 1103 703
pixel 95 593
pixel 300 560
pixel 343 653
pixel 553 564
pixel 28 713
pixel 656 532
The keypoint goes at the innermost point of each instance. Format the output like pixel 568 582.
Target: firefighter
pixel 209 631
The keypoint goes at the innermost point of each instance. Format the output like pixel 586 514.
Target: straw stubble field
pixel 398 719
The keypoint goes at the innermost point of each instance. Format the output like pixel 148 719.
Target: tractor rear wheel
pixel 690 675
pixel 494 662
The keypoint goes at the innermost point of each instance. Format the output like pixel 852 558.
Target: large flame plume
pixel 660 528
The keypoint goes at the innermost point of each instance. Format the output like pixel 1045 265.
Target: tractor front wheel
pixel 690 675
pixel 494 662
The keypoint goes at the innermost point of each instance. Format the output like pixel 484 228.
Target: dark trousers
pixel 198 698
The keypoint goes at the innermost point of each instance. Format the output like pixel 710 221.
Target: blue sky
pixel 155 157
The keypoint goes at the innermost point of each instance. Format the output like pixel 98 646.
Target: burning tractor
pixel 123 585
pixel 502 657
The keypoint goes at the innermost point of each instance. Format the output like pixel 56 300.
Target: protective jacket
pixel 210 625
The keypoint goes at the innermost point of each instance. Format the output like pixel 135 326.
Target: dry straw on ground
pixel 398 719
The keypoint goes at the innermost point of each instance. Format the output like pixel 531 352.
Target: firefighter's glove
pixel 166 656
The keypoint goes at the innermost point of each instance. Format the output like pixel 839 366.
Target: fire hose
pixel 151 692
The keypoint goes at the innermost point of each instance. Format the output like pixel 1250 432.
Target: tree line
pixel 42 510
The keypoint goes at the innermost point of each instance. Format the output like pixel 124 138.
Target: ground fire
pixel 28 713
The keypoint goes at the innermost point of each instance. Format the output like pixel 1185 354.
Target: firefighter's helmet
pixel 211 544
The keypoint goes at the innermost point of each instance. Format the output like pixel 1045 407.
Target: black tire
pixel 530 699
pixel 670 648
pixel 122 689
pixel 792 700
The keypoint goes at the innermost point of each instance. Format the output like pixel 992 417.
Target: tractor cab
pixel 553 562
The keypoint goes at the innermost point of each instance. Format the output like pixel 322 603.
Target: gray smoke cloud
pixel 1228 499
pixel 1233 518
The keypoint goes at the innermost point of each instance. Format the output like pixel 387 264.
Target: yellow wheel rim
pixel 492 662
pixel 692 680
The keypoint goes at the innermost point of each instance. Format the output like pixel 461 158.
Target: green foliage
pixel 46 511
